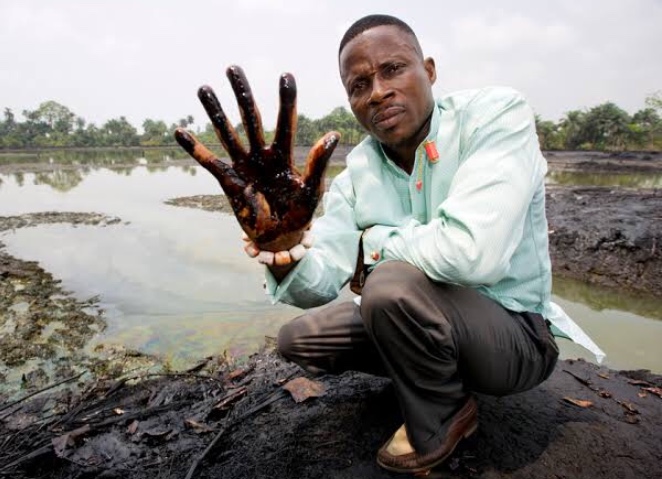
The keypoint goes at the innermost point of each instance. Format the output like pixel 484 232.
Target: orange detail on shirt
pixel 431 151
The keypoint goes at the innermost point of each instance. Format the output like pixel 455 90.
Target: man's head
pixel 387 80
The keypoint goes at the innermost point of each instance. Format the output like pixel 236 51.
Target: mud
pixel 594 161
pixel 607 236
pixel 239 422
pixel 44 330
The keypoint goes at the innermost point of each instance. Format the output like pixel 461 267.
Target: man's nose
pixel 380 89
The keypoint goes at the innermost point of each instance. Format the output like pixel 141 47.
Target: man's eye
pixel 393 69
pixel 358 86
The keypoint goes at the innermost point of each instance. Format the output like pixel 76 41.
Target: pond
pixel 627 180
pixel 175 282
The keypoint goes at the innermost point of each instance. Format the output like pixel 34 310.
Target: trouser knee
pixel 286 340
pixel 388 290
pixel 293 343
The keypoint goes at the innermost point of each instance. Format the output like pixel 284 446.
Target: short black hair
pixel 372 21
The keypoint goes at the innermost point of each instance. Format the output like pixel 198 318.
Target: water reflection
pixel 63 171
pixel 96 157
pixel 19 178
pixel 60 180
pixel 601 299
pixel 629 180
pixel 626 326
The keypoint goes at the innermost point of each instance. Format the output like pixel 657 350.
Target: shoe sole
pixel 425 470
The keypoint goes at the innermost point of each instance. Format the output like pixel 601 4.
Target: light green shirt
pixel 475 217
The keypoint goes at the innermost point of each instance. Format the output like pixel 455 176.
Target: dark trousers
pixel 437 342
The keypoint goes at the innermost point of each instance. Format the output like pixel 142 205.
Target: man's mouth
pixel 387 118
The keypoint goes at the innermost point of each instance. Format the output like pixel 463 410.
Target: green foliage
pixel 606 127
pixel 603 127
pixel 155 133
pixel 340 120
pixel 548 134
pixel 646 129
pixel 119 132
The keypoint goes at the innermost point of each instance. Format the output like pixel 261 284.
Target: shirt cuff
pixel 373 243
pixel 276 290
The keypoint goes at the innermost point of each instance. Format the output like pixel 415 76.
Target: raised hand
pixel 273 202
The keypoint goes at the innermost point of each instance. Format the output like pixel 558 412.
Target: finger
pixel 318 158
pixel 282 258
pixel 249 112
pixel 261 210
pixel 231 183
pixel 251 250
pixel 224 129
pixel 266 258
pixel 193 147
pixel 286 125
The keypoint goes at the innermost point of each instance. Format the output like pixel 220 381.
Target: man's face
pixel 388 84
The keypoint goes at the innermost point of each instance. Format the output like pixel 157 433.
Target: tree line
pixel 53 125
pixel 605 127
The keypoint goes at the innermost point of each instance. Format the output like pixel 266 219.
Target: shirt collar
pixel 431 136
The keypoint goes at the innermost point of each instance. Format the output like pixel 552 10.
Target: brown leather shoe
pixel 463 424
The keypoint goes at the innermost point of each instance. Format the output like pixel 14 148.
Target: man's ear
pixel 431 69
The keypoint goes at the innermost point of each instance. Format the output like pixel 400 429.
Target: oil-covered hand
pixel 272 200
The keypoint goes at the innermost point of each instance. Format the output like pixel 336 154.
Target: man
pixel 444 205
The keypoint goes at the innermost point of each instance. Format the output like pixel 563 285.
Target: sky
pixel 146 59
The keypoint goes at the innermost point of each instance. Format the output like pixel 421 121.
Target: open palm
pixel 273 202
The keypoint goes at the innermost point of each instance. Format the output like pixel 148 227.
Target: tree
pixel 60 122
pixel 570 129
pixel 79 136
pixel 119 132
pixel 208 135
pixel 306 131
pixel 547 134
pixel 184 122
pixel 33 131
pixel 10 119
pixel 645 128
pixel 341 120
pixel 155 133
pixel 8 131
pixel 606 127
pixel 90 136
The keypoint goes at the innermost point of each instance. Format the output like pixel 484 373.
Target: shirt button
pixel 374 255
